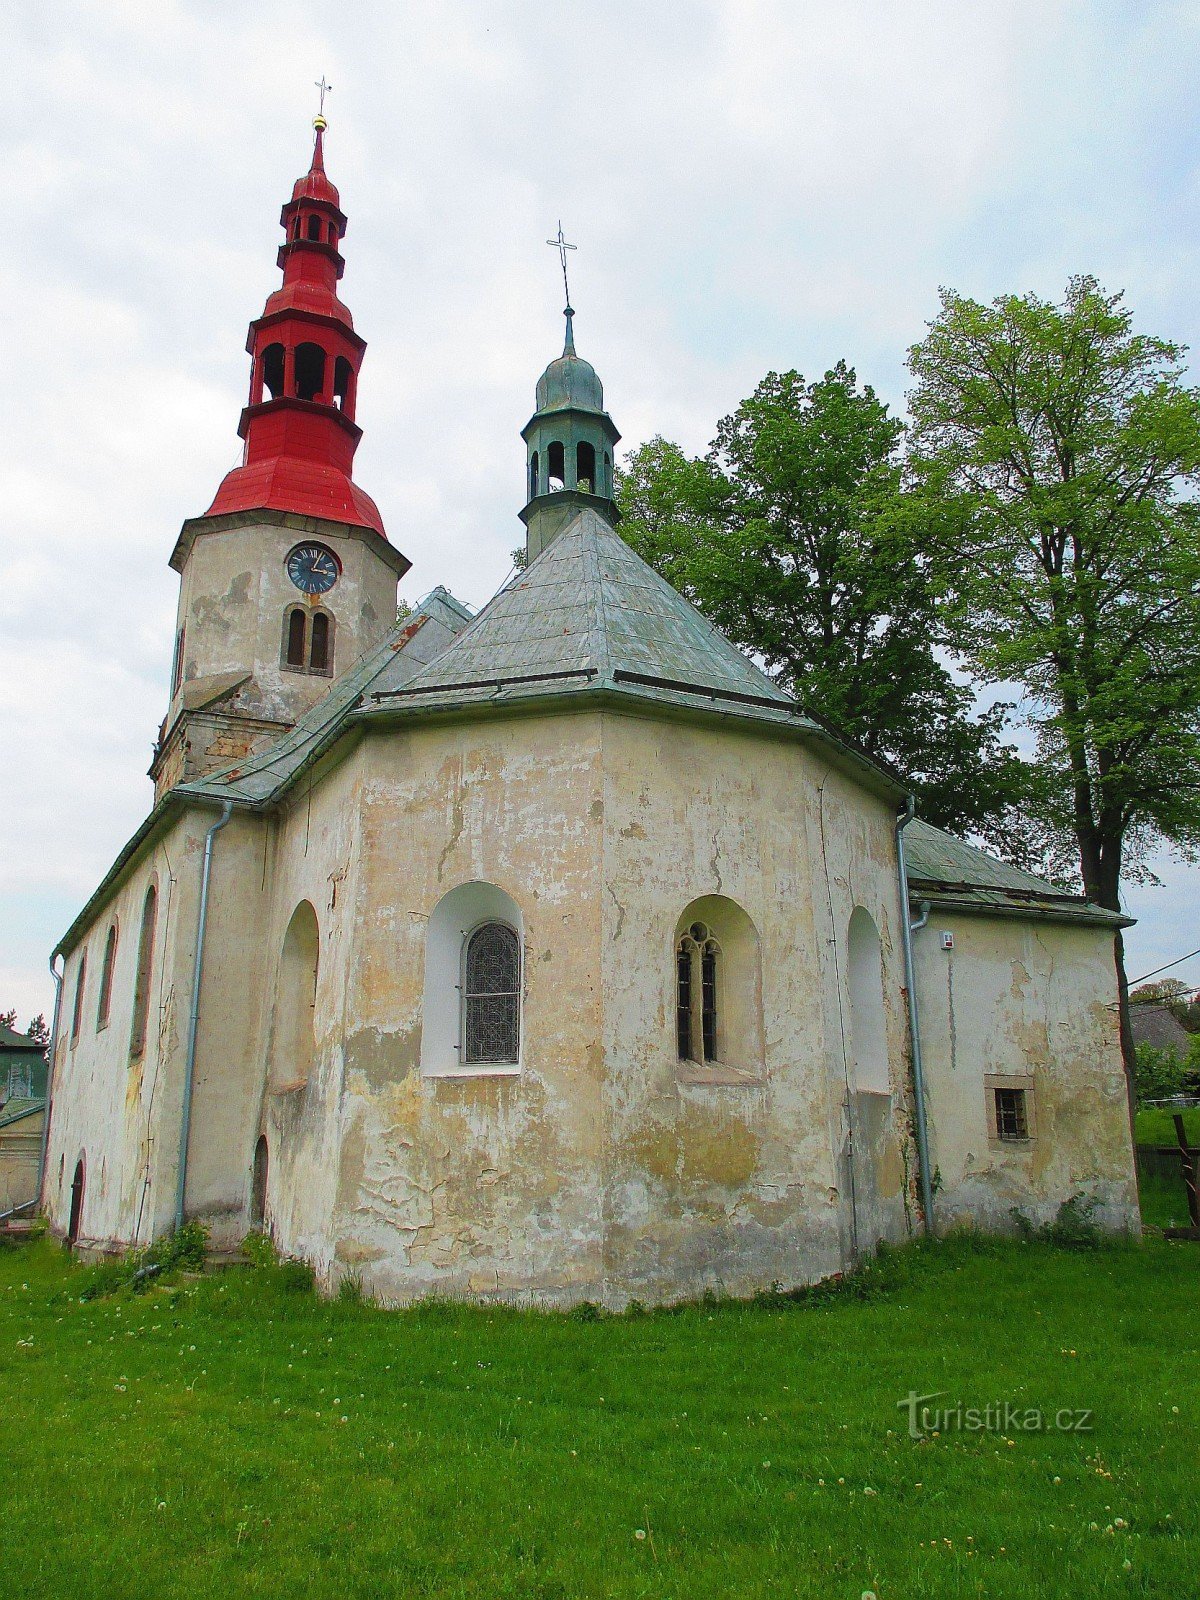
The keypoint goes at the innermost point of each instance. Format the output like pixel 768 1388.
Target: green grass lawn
pixel 1154 1125
pixel 233 1437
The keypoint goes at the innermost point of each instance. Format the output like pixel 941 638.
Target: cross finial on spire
pixel 322 89
pixel 561 245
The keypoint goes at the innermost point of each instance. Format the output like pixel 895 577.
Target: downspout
pixel 58 994
pixel 907 929
pixel 189 1069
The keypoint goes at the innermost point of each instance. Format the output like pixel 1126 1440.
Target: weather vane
pixel 561 245
pixel 323 88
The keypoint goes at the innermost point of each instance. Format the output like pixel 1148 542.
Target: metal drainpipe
pixel 189 1070
pixel 907 929
pixel 58 977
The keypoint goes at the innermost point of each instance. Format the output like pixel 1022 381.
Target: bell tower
pixel 288 577
pixel 569 440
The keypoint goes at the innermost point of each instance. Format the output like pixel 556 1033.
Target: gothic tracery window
pixel 697 956
pixel 492 994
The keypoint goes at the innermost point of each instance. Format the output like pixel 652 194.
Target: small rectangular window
pixel 1012 1117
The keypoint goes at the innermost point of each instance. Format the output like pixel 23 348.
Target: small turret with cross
pixel 569 439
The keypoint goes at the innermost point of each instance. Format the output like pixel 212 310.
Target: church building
pixel 548 954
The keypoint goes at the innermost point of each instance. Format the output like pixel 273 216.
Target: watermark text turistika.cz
pixel 998 1416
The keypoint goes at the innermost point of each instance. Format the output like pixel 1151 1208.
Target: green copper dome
pixel 569 382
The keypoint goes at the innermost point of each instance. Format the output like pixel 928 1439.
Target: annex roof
pixel 955 875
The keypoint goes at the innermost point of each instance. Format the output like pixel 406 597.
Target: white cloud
pixel 752 185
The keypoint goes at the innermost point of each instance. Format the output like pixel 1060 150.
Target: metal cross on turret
pixel 323 89
pixel 561 245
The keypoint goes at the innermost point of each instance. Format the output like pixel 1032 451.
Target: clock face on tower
pixel 313 568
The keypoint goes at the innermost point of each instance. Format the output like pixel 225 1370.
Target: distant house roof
pixel 11 1040
pixel 18 1110
pixel 956 876
pixel 1152 1022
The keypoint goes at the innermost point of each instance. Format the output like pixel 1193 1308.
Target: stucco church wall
pixel 110 1108
pixel 235 593
pixel 1030 1004
pixel 487 1183
pixel 732 1185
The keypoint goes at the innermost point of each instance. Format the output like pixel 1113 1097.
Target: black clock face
pixel 312 568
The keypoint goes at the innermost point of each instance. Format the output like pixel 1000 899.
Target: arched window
pixel 293 1037
pixel 533 475
pixel 471 1009
pixel 145 963
pixel 718 992
pixel 177 663
pixel 492 994
pixel 75 1224
pixel 314 227
pixel 342 376
pixel 696 960
pixel 585 467
pixel 310 371
pixel 319 658
pixel 868 1029
pixel 77 1012
pixel 106 978
pixel 258 1184
pixel 332 233
pixel 272 370
pixel 297 638
pixel 556 466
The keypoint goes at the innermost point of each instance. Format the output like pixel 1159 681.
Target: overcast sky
pixel 753 185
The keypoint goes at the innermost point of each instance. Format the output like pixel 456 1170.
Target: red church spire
pixel 299 429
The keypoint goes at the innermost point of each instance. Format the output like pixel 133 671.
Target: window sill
pixel 996 1143
pixel 717 1073
pixel 475 1069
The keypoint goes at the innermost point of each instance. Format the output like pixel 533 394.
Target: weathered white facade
pixel 548 954
pixel 601 821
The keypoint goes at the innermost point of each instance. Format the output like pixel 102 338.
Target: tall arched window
pixel 314 227
pixel 258 1184
pixel 297 638
pixel 533 475
pixel 75 1224
pixel 868 1029
pixel 272 370
pixel 696 962
pixel 606 486
pixel 319 658
pixel 343 374
pixel 145 963
pixel 177 663
pixel 106 978
pixel 556 466
pixel 294 1032
pixel 585 467
pixel 492 994
pixel 471 1005
pixel 718 993
pixel 310 371
pixel 77 1011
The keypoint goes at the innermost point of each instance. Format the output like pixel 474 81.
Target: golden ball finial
pixel 319 123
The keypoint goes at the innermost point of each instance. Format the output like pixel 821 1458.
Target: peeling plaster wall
pixel 485 1184
pixel 734 1185
pixel 233 598
pixel 122 1113
pixel 1034 1000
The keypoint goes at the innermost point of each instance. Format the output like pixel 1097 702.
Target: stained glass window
pixel 492 994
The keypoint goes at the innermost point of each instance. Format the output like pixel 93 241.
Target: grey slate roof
pixel 589 613
pixel 414 642
pixel 955 875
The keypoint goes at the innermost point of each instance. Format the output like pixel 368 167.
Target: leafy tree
pixel 796 536
pixel 1065 441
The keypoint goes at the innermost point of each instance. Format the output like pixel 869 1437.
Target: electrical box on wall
pixel 947 941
